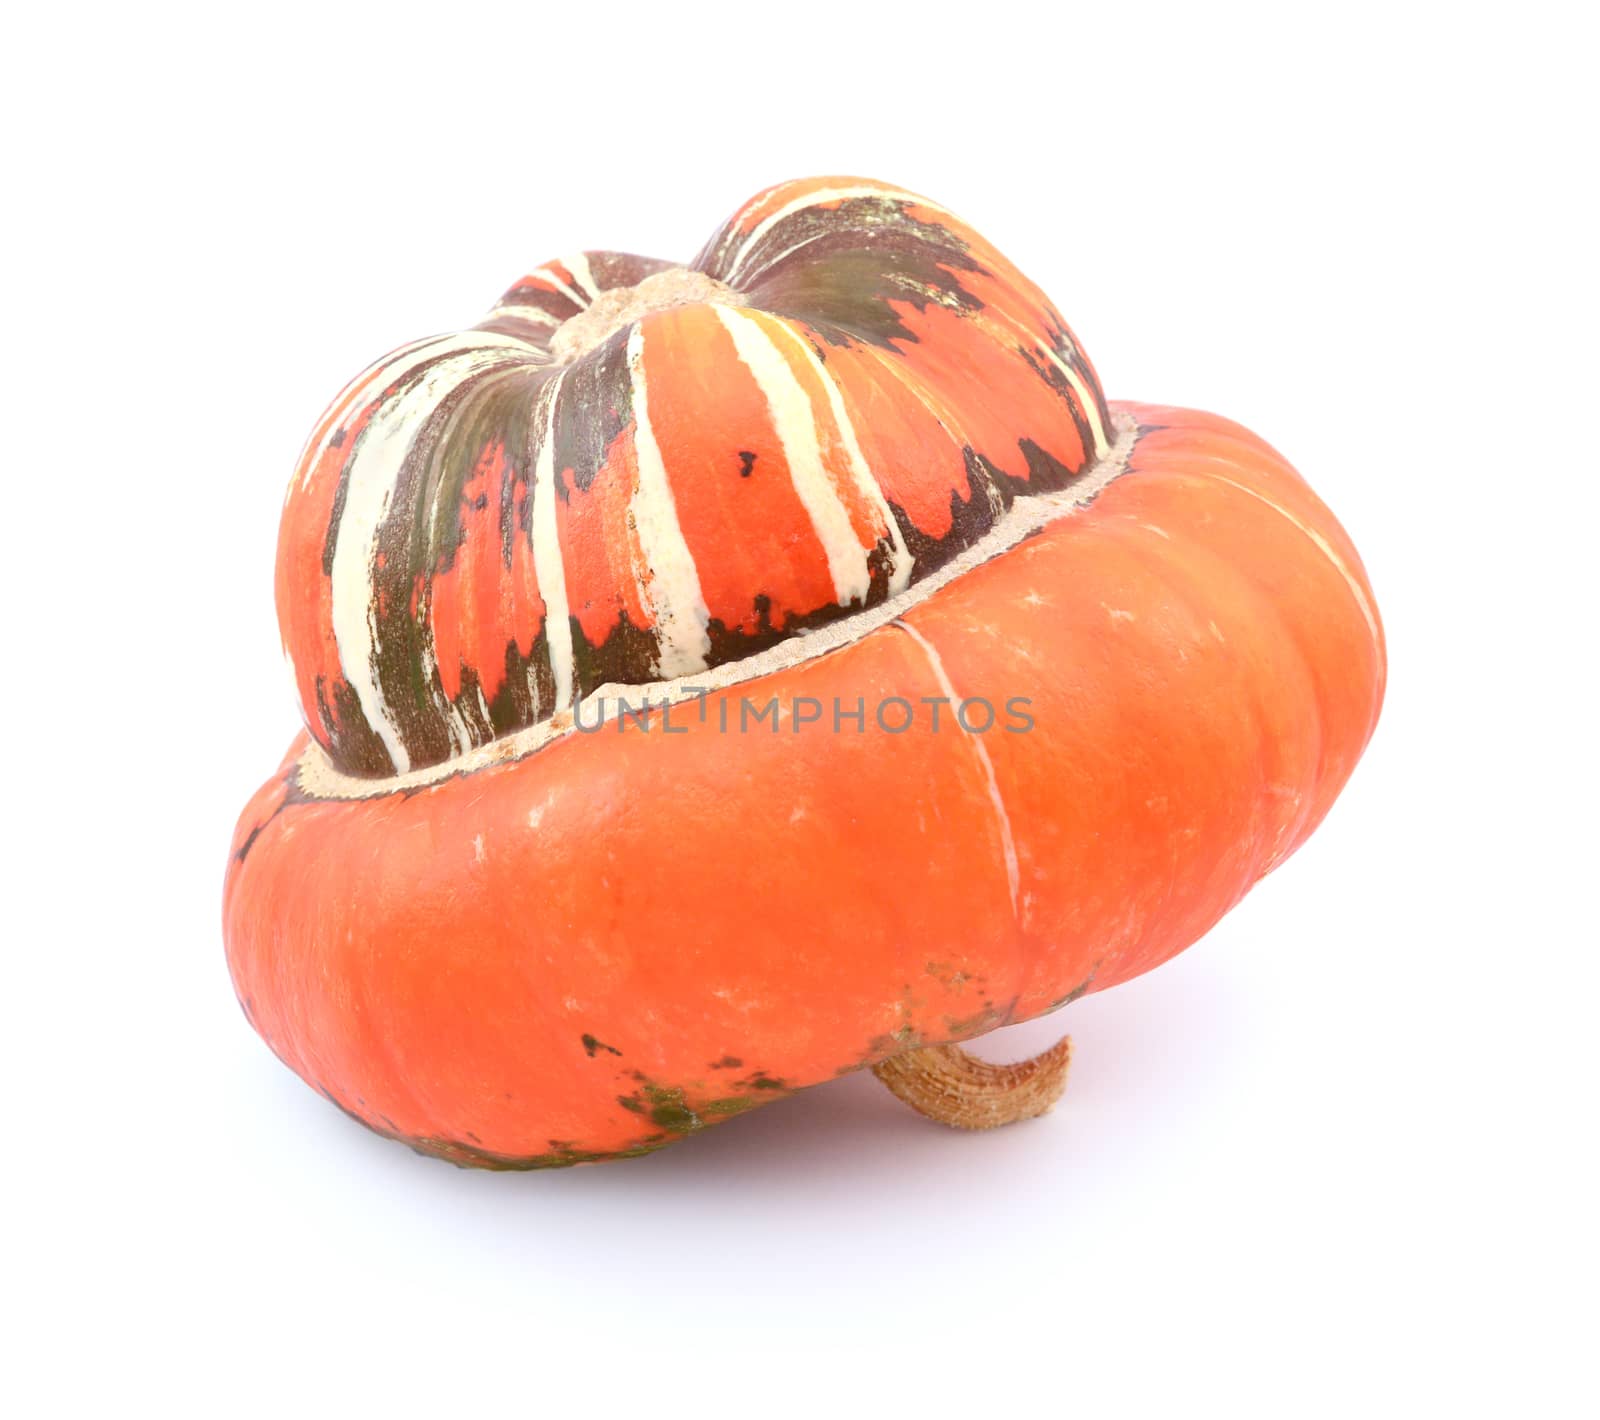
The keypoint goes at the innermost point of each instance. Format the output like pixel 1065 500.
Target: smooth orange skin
pixel 1202 681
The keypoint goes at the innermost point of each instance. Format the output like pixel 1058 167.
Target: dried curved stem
pixel 945 1083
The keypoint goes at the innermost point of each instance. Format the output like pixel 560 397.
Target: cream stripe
pixel 549 571
pixel 579 267
pixel 768 262
pixel 345 400
pixel 1086 401
pixel 449 711
pixel 900 563
pixel 815 199
pixel 544 273
pixel 1327 548
pixel 532 314
pixel 1007 843
pixel 370 479
pixel 669 582
pixel 796 424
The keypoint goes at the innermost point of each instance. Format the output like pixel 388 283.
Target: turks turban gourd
pixel 968 692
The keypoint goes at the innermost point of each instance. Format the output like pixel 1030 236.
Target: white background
pixel 1336 1158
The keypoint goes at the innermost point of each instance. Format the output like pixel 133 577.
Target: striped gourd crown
pixel 630 472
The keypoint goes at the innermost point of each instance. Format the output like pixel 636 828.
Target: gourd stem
pixel 946 1083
